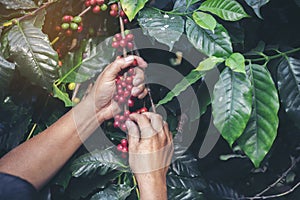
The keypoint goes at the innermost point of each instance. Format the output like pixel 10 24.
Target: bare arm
pixel 38 159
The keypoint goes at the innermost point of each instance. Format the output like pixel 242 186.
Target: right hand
pixel 150 146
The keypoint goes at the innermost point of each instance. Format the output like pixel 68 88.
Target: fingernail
pixel 136 81
pixel 135 91
pixel 129 59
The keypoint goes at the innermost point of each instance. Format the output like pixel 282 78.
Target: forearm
pixel 38 159
pixel 152 187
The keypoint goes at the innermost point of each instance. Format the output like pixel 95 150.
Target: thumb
pixel 114 68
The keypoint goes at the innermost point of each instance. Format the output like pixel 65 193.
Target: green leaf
pixel 18 4
pixel 209 63
pixel 132 7
pixel 30 49
pixel 113 192
pixel 256 5
pixel 166 29
pixel 261 129
pixel 191 78
pixel 6 73
pixel 62 96
pixel 98 55
pixel 96 162
pixel 215 43
pixel 288 77
pixel 231 104
pixel 184 5
pixel 205 20
pixel 236 62
pixel 229 10
pixel 184 194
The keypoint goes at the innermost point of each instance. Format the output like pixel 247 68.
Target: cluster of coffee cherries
pixel 115 12
pixel 97 5
pixel 127 42
pixel 123 146
pixel 70 24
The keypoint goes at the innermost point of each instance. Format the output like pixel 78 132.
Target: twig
pixel 151 100
pixel 122 30
pixel 84 11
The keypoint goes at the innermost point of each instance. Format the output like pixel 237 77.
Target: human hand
pixel 103 91
pixel 150 153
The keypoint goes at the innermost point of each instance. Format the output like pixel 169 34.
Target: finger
pixel 143 94
pixel 139 77
pixel 114 68
pixel 136 91
pixel 133 133
pixel 144 124
pixel 141 62
pixel 156 122
pixel 167 132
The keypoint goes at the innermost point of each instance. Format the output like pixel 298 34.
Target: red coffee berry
pixel 120 92
pixel 87 3
pixel 129 87
pixel 122 118
pixel 130 103
pixel 129 79
pixel 125 149
pixel 116 97
pixel 118 36
pixel 114 7
pixel 124 84
pixel 57 28
pixel 131 71
pixel 126 93
pixel 144 109
pixel 123 43
pixel 115 44
pixel 135 63
pixel 124 142
pixel 80 29
pixel 96 9
pixel 125 20
pixel 130 45
pixel 120 147
pixel 129 37
pixel 123 128
pixel 116 124
pixel 121 100
pixel 122 14
pixel 127 113
pixel 67 18
pixel 100 2
pixel 92 2
pixel 113 13
pixel 69 33
pixel 117 118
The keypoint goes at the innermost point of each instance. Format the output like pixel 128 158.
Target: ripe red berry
pixel 116 97
pixel 80 29
pixel 129 87
pixel 57 28
pixel 116 124
pixel 96 9
pixel 113 13
pixel 120 147
pixel 123 43
pixel 124 84
pixel 69 33
pixel 127 113
pixel 115 44
pixel 125 20
pixel 120 92
pixel 126 93
pixel 129 79
pixel 144 109
pixel 121 100
pixel 130 103
pixel 100 2
pixel 130 45
pixel 129 37
pixel 67 18
pixel 122 14
pixel 135 63
pixel 124 142
pixel 122 118
pixel 131 71
pixel 87 3
pixel 114 7
pixel 123 128
pixel 125 149
pixel 117 118
pixel 118 37
pixel 92 2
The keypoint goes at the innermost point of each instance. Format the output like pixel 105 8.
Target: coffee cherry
pixel 124 142
pixel 76 100
pixel 115 44
pixel 121 100
pixel 87 3
pixel 116 97
pixel 125 149
pixel 74 26
pixel 122 14
pixel 129 87
pixel 104 7
pixel 129 37
pixel 96 9
pixel 80 29
pixel 126 93
pixel 117 118
pixel 120 147
pixel 114 7
pixel 144 109
pixel 125 20
pixel 77 19
pixel 129 80
pixel 92 2
pixel 118 36
pixel 135 63
pixel 127 113
pixel 120 92
pixel 130 45
pixel 65 26
pixel 123 128
pixel 100 2
pixel 123 43
pixel 130 103
pixel 127 32
pixel 57 28
pixel 116 124
pixel 113 13
pixel 67 18
pixel 69 33
pixel 131 71
pixel 71 86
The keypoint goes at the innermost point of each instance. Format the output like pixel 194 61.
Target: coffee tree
pixel 52 51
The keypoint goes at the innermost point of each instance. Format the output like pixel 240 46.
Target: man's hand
pixel 105 86
pixel 150 153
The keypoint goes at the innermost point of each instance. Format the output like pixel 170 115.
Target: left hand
pixel 105 87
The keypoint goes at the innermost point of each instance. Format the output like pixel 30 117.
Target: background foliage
pixel 255 103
